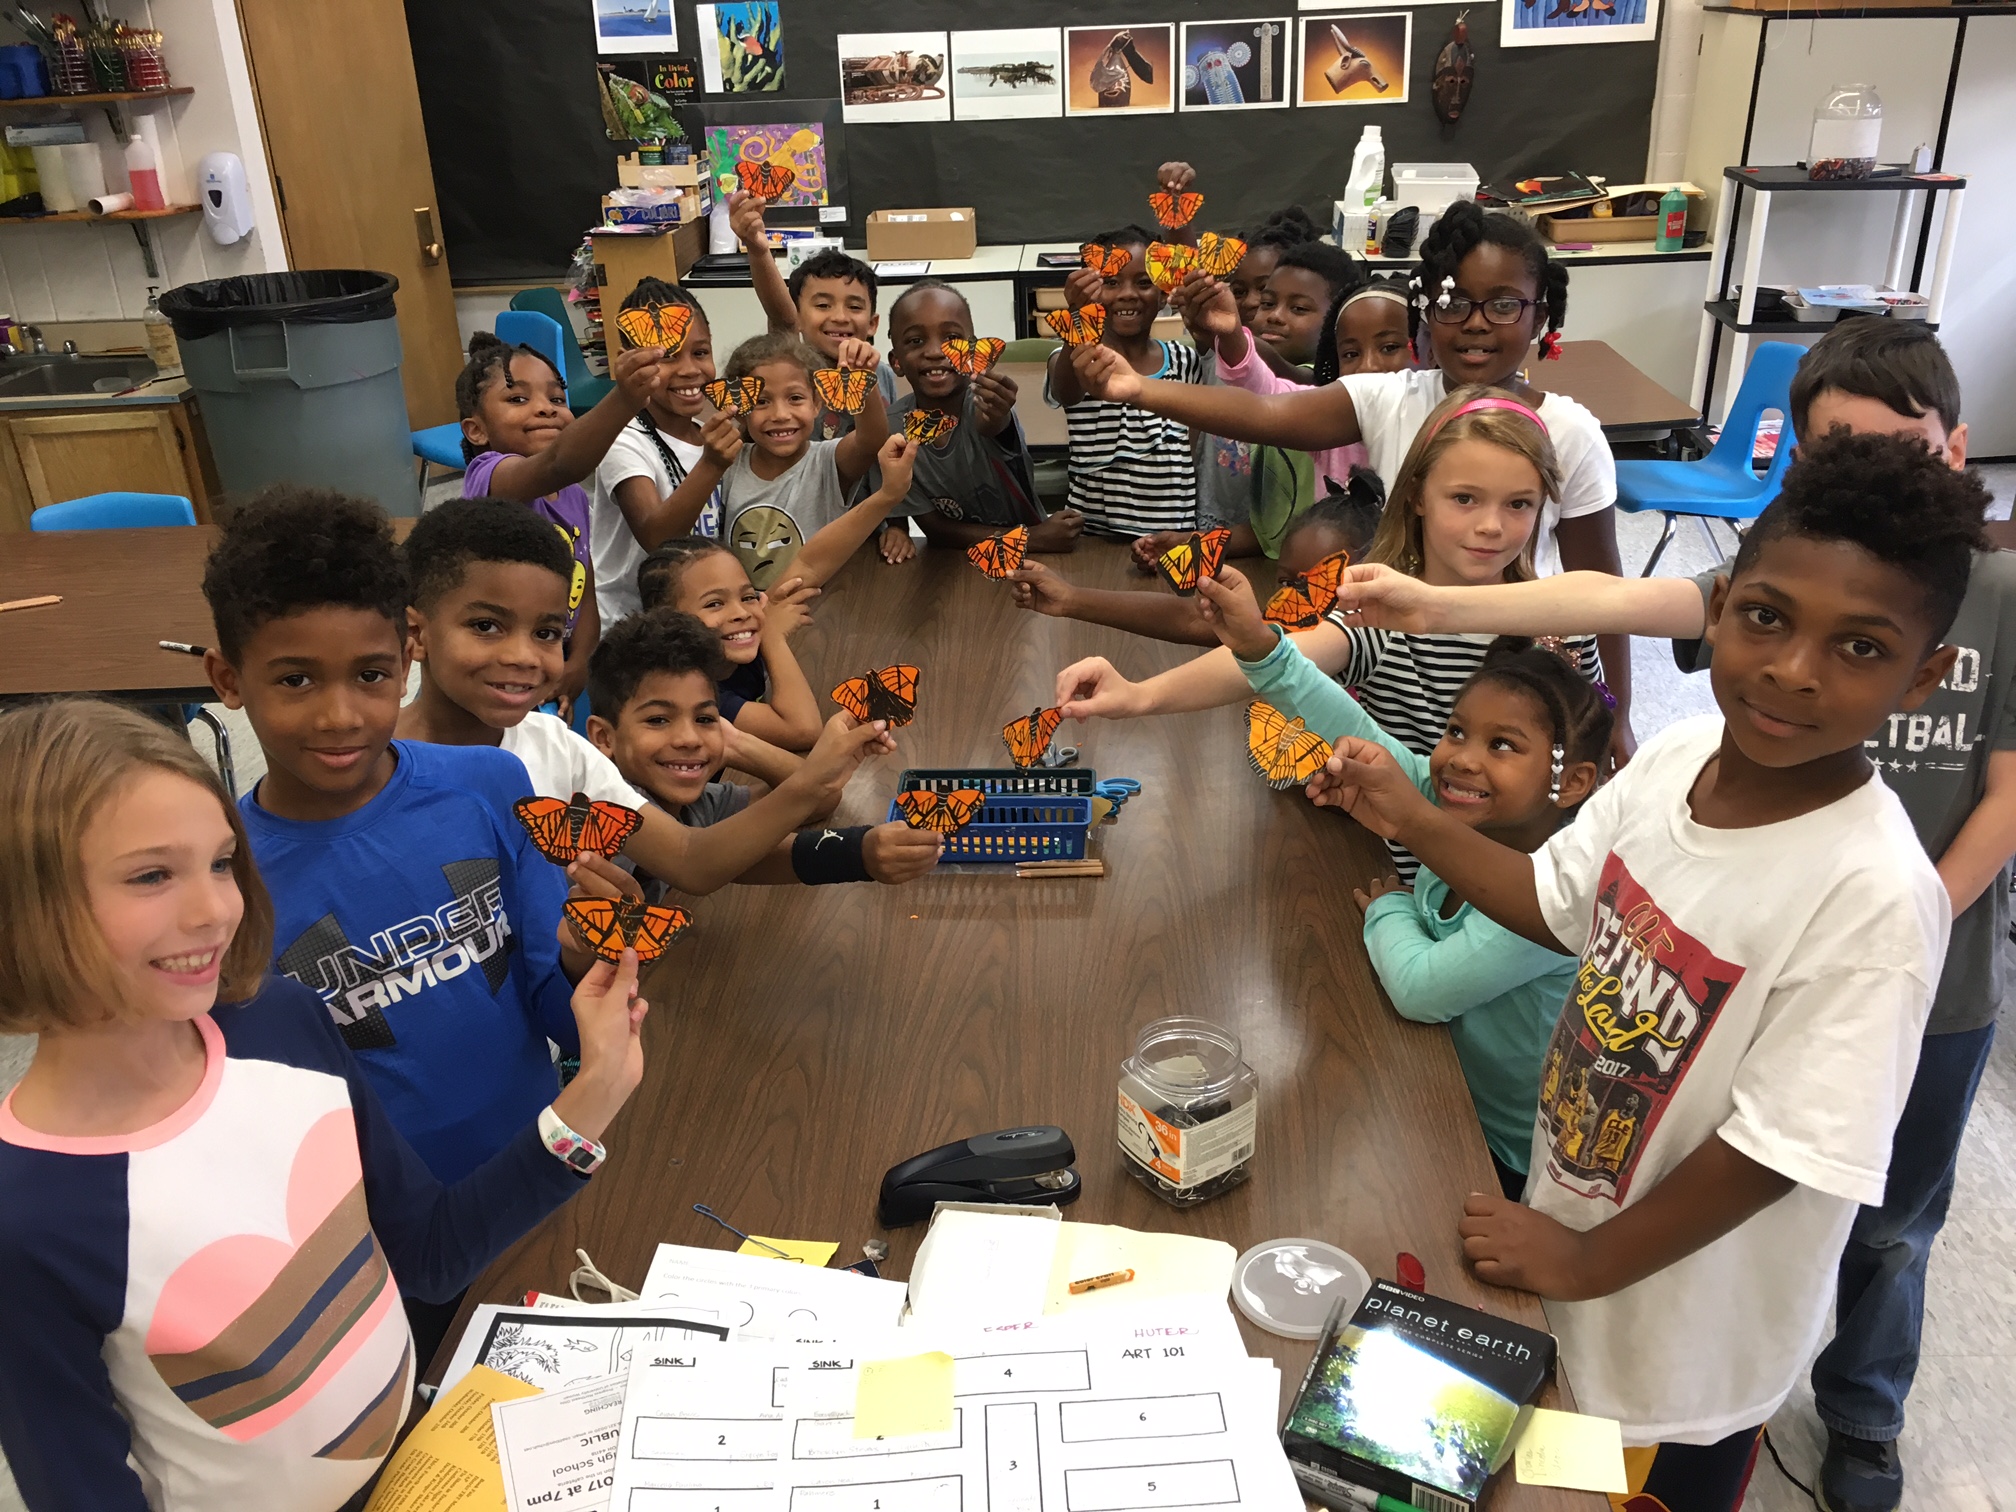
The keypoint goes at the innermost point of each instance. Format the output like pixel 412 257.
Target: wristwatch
pixel 577 1150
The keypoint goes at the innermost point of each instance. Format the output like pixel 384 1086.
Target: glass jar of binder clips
pixel 1188 1108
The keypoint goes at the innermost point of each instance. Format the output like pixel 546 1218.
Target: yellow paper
pixel 1569 1450
pixel 798 1251
pixel 896 1398
pixel 449 1462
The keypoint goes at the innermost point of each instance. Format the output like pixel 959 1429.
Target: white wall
pixel 1680 25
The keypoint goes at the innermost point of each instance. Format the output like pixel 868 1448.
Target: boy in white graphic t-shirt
pixel 1760 934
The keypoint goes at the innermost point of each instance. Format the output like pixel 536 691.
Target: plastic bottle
pixel 160 334
pixel 1368 171
pixel 144 172
pixel 1672 221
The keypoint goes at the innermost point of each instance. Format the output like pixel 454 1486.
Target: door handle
pixel 430 244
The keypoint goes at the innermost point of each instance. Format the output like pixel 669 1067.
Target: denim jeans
pixel 1863 1375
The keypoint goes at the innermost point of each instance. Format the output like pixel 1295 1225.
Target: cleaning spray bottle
pixel 1368 173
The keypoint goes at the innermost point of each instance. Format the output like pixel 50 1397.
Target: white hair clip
pixel 1554 775
pixel 1442 300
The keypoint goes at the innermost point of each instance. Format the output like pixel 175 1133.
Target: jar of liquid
pixel 1847 124
pixel 1188 1108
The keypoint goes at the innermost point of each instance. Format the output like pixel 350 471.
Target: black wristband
pixel 829 855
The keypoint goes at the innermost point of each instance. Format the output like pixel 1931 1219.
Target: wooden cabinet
pixel 47 456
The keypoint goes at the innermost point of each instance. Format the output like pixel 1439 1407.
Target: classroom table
pixel 1627 404
pixel 801 1041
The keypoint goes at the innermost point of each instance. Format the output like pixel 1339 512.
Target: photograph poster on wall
pixel 893 76
pixel 1237 65
pixel 634 26
pixel 1355 57
pixel 1017 74
pixel 1119 70
pixel 1556 23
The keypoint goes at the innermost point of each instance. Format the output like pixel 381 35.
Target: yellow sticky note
pixel 798 1251
pixel 1569 1450
pixel 449 1461
pixel 896 1398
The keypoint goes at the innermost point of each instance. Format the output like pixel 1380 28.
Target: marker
pixel 1099 1283
pixel 184 647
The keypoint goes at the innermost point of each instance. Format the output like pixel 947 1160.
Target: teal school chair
pixel 1722 485
pixel 584 389
pixel 139 511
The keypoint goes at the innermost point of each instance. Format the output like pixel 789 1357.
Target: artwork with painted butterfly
pixel 928 427
pixel 1187 561
pixel 1284 751
pixel 843 389
pixel 1219 255
pixel 941 813
pixel 1168 262
pixel 736 396
pixel 1303 598
pixel 765 180
pixel 562 831
pixel 887 693
pixel 1175 210
pixel 662 325
pixel 606 925
pixel 1107 262
pixel 999 555
pixel 1080 327
pixel 1028 738
pixel 973 356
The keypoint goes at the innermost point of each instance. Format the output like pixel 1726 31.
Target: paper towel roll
pixel 86 170
pixel 105 204
pixel 57 195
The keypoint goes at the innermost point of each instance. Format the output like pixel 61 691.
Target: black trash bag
pixel 314 296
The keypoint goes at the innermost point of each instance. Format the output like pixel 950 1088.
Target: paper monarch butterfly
pixel 1081 327
pixel 561 831
pixel 662 325
pixel 1175 210
pixel 888 693
pixel 1219 255
pixel 1028 738
pixel 1187 561
pixel 843 389
pixel 927 427
pixel 765 180
pixel 1284 751
pixel 941 813
pixel 999 555
pixel 737 396
pixel 606 925
pixel 1305 597
pixel 973 355
pixel 1168 262
pixel 1107 262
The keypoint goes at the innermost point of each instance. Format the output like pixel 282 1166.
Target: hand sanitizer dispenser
pixel 227 205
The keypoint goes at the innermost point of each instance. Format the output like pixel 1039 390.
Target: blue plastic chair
pixel 584 389
pixel 1722 485
pixel 138 511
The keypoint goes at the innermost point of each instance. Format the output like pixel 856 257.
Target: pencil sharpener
pixel 1032 1164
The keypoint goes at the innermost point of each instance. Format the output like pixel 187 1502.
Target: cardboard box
pixel 622 258
pixel 671 212
pixel 631 174
pixel 930 235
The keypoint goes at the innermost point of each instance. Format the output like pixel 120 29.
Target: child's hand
pixel 1083 288
pixel 610 1016
pixel 1175 177
pixel 897 459
pixel 1377 888
pixel 787 608
pixel 639 373
pixel 1207 305
pixel 1364 780
pixel 1041 591
pixel 1227 605
pixel 1508 1244
pixel 1091 689
pixel 993 401
pixel 842 746
pixel 745 219
pixel 1105 374
pixel 853 352
pixel 1148 547
pixel 896 853
pixel 895 543
pixel 1380 598
pixel 721 438
pixel 1059 532
pixel 590 876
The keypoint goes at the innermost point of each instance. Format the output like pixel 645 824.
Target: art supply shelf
pixel 111 101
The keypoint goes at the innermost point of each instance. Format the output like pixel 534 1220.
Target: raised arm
pixel 832 544
pixel 580 447
pixel 1311 419
pixel 1432 981
pixel 857 450
pixel 745 217
pixel 654 520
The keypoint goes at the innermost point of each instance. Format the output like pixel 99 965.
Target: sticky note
pixel 798 1251
pixel 896 1398
pixel 1569 1450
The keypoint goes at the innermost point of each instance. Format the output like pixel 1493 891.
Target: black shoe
pixel 1859 1475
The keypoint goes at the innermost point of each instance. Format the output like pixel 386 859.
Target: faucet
pixel 69 349
pixel 40 346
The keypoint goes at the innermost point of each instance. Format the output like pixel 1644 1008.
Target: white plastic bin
pixel 1433 187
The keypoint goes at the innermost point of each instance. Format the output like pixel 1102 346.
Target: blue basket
pixel 1030 815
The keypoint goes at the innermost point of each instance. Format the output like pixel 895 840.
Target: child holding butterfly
pixel 662 475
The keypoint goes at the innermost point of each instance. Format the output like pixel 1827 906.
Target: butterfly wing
pixel 1211 549
pixel 1282 750
pixel 941 813
pixel 1180 563
pixel 594 924
pixel 963 805
pixel 1305 753
pixel 921 810
pixel 674 321
pixel 607 826
pixel 1080 327
pixel 997 556
pixel 926 427
pixel 766 180
pixel 852 695
pixel 648 929
pixel 1168 262
pixel 842 389
pixel 1303 599
pixel 893 694
pixel 967 355
pixel 737 396
pixel 1219 255
pixel 1028 738
pixel 1175 210
pixel 638 327
pixel 545 820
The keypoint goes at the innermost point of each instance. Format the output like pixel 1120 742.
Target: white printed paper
pixel 558 1449
pixel 762 1299
pixel 549 1347
pixel 981 1266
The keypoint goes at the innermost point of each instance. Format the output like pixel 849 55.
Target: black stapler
pixel 1026 1165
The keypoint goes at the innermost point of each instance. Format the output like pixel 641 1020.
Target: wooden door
pixel 340 109
pixel 48 458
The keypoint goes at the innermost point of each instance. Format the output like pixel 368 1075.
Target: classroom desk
pixel 801 1041
pixel 1628 405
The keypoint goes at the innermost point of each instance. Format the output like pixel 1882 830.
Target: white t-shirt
pixel 617 554
pixel 562 763
pixel 1392 406
pixel 1767 985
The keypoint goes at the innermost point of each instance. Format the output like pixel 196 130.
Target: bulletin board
pixel 521 159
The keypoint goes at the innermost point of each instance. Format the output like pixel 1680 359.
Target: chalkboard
pixel 520 157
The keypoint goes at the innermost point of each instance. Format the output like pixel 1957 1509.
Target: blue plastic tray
pixel 1037 814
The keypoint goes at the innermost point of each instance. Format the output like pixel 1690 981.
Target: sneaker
pixel 1859 1475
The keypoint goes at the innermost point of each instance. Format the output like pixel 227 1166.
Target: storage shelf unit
pixel 1723 313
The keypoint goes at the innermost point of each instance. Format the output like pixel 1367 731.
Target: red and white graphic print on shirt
pixel 1645 1000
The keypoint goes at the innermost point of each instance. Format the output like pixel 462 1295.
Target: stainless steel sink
pixel 28 377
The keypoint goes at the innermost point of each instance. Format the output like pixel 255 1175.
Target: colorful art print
pixel 634 26
pixel 1115 70
pixel 1237 65
pixel 799 146
pixel 1355 58
pixel 749 35
pixel 1010 74
pixel 1555 23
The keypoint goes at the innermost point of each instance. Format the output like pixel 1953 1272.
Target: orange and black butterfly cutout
pixel 928 427
pixel 1175 210
pixel 1303 598
pixel 562 831
pixel 606 925
pixel 1028 738
pixel 662 325
pixel 974 355
pixel 941 813
pixel 843 389
pixel 1284 751
pixel 1168 262
pixel 887 693
pixel 1199 557
pixel 999 555
pixel 1107 262
pixel 734 396
pixel 765 180
pixel 1080 327
pixel 1219 255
